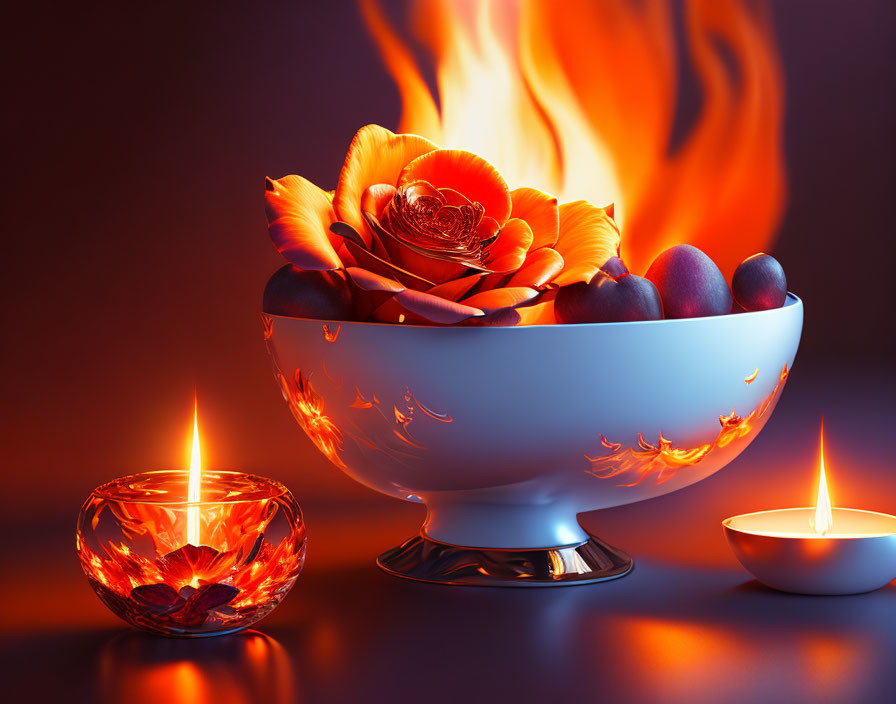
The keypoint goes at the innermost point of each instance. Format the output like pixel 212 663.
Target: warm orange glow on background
pixel 194 488
pixel 582 104
pixel 824 520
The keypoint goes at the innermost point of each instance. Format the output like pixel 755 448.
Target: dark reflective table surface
pixel 687 625
pixel 664 633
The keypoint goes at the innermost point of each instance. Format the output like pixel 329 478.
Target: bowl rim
pixel 103 490
pixel 791 301
pixel 727 525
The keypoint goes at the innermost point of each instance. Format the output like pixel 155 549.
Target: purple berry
pixel 608 300
pixel 322 295
pixel 759 283
pixel 690 284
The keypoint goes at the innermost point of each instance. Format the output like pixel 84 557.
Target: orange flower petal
pixel 498 298
pixel 369 290
pixel 503 317
pixel 347 232
pixel 345 256
pixel 299 218
pixel 369 281
pixel 465 172
pixel 452 197
pixel 487 229
pixel 588 237
pixel 455 289
pixel 539 314
pixel 377 197
pixel 380 266
pixel 421 308
pixel 375 155
pixel 490 281
pixel 508 252
pixel 540 267
pixel 435 270
pixel 541 212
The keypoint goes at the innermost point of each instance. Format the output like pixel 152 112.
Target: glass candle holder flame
pixel 132 544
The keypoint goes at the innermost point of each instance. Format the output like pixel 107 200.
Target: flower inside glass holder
pixel 132 540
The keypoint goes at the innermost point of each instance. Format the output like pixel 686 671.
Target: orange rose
pixel 435 236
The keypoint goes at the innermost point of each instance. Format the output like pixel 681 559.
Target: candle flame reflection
pixel 193 488
pixel 243 668
pixel 824 520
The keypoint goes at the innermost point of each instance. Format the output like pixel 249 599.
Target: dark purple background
pixel 138 138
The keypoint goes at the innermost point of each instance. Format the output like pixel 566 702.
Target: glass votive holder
pixel 132 543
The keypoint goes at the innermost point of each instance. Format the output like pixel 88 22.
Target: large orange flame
pixel 579 99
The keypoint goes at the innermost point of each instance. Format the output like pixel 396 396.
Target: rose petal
pixel 435 270
pixel 540 314
pixel 466 173
pixel 377 197
pixel 375 155
pixel 346 231
pixel 540 210
pixel 509 251
pixel 499 280
pixel 378 265
pixel 452 197
pixel 344 256
pixel 487 229
pixel 490 301
pixel 503 317
pixel 369 290
pixel 416 307
pixel 368 281
pixel 299 217
pixel 455 289
pixel 588 237
pixel 540 267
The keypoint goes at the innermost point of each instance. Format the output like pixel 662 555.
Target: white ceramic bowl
pixel 507 433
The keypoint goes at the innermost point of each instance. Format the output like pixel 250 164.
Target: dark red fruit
pixel 759 283
pixel 689 283
pixel 322 295
pixel 608 300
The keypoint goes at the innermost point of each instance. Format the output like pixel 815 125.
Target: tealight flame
pixel 824 520
pixel 193 488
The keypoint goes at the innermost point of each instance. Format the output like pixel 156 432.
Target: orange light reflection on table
pixel 695 661
pixel 240 669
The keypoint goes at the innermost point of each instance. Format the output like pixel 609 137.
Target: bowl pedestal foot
pixel 425 560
